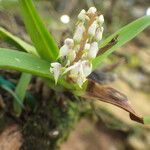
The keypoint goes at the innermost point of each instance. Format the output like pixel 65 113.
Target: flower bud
pixel 93 50
pixel 56 70
pixel 64 50
pixel 92 10
pixel 82 15
pixel 100 19
pixel 99 33
pixel 87 46
pixel 69 42
pixel 87 67
pixel 79 32
pixel 92 29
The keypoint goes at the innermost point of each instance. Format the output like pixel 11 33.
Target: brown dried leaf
pixel 112 96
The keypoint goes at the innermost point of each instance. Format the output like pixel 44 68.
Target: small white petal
pixel 74 67
pixel 99 33
pixel 64 50
pixel 93 50
pixel 79 32
pixel 100 19
pixel 69 42
pixel 79 71
pixel 87 68
pixel 82 15
pixel 92 10
pixel 87 46
pixel 92 29
pixel 56 70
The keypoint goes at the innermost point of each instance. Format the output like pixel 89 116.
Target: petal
pixel 82 15
pixel 64 50
pixel 93 50
pixel 79 33
pixel 69 42
pixel 99 33
pixel 56 70
pixel 92 10
pixel 100 19
pixel 87 68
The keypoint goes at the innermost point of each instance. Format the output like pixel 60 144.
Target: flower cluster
pixel 76 54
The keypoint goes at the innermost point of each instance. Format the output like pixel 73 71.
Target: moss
pixel 50 125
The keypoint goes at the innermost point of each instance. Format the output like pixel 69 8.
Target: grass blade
pixel 41 38
pixel 21 91
pixel 19 43
pixel 13 94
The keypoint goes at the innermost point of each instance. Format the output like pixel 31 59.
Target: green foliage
pixel 21 91
pixel 24 62
pixel 42 40
pixel 9 90
pixel 19 43
pixel 25 78
pixel 125 34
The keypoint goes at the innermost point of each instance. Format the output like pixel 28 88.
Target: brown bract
pixel 109 95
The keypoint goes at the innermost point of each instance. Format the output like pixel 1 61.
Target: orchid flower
pixel 78 53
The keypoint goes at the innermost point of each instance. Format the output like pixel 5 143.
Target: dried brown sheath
pixel 109 95
pixel 108 46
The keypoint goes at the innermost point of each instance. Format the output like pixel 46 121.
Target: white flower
pixel 79 33
pixel 87 67
pixel 100 19
pixel 69 42
pixel 66 48
pixel 87 46
pixel 79 71
pixel 55 69
pixel 82 15
pixel 92 10
pixel 93 50
pixel 92 29
pixel 99 33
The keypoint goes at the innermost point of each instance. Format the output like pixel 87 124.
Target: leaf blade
pixel 20 91
pixel 24 62
pixel 4 34
pixel 42 39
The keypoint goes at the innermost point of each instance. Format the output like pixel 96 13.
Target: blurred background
pixel 127 69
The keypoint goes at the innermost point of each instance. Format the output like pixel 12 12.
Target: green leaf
pixel 24 62
pixel 147 120
pixel 25 78
pixel 21 91
pixel 13 94
pixel 19 43
pixel 42 39
pixel 125 34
